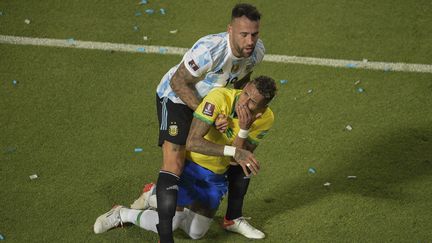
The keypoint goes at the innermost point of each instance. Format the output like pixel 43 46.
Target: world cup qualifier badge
pixel 208 109
pixel 173 129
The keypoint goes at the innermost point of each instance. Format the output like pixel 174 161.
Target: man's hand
pixel 221 123
pixel 247 161
pixel 246 118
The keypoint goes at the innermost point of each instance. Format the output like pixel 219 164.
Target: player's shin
pixel 166 193
pixel 237 188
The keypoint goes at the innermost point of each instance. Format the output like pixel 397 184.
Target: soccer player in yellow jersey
pixel 203 181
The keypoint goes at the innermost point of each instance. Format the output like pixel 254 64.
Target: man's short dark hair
pixel 266 86
pixel 245 9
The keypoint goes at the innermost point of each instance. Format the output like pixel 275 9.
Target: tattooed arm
pixel 183 84
pixel 197 143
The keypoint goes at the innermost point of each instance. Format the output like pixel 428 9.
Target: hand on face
pixel 245 116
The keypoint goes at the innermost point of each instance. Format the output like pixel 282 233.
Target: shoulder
pixel 221 95
pixel 211 42
pixel 266 121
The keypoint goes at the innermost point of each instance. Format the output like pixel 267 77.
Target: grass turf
pixel 76 116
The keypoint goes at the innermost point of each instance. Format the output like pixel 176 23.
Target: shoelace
pixel 246 223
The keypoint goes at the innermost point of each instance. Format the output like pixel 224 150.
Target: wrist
pixel 229 150
pixel 243 133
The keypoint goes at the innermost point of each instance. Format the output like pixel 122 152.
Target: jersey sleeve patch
pixel 208 109
pixel 198 60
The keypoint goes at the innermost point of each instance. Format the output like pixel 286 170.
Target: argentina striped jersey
pixel 212 59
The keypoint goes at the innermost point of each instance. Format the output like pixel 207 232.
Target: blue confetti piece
pixel 162 11
pixel 141 49
pixel 163 50
pixel 135 28
pixel 14 82
pixel 149 11
pixel 360 90
pixel 138 13
pixel 70 41
pixel 137 150
pixel 312 170
pixel 351 65
pixel 283 81
pixel 1 13
pixel 2 237
pixel 143 2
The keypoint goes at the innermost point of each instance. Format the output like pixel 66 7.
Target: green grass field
pixel 75 117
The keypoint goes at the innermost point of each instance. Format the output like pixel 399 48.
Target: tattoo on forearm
pixel 183 84
pixel 197 142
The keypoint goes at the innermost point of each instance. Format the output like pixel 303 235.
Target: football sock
pixel 195 225
pixel 237 187
pixel 148 219
pixel 166 194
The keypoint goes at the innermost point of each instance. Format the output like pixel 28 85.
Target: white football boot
pixel 241 226
pixel 147 198
pixel 108 220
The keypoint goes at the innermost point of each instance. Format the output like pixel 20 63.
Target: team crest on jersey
pixel 193 65
pixel 208 109
pixel 173 130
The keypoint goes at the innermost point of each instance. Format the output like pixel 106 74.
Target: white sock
pixel 148 219
pixel 195 225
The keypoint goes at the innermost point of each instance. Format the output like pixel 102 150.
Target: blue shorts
pixel 198 184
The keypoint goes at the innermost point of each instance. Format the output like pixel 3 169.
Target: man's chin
pixel 247 52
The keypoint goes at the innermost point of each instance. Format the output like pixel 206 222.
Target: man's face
pixel 243 34
pixel 252 99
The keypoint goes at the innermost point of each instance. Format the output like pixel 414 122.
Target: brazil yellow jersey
pixel 222 101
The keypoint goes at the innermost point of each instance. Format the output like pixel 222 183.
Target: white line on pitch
pixel 70 43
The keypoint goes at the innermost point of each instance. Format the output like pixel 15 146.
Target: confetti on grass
pixel 138 150
pixel 163 50
pixel 283 81
pixel 149 11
